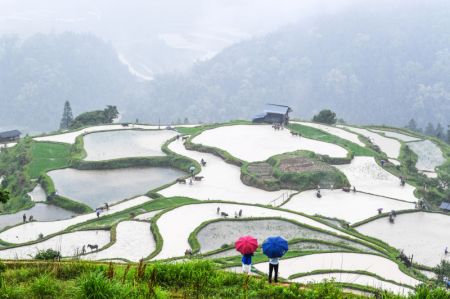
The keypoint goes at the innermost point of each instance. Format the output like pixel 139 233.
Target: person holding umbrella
pixel 246 245
pixel 274 248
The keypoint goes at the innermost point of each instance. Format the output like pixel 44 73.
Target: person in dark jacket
pixel 246 262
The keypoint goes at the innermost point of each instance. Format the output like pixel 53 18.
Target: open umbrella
pixel 275 247
pixel 246 244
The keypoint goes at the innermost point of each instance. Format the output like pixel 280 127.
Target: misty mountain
pixel 370 66
pixel 38 74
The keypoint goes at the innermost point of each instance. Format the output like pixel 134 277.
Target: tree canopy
pixel 67 118
pixel 97 117
pixel 325 116
pixel 4 195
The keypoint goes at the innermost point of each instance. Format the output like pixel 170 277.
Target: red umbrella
pixel 246 244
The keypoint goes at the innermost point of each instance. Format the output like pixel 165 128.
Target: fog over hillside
pixel 220 60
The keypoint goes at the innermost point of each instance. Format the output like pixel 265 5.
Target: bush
pixel 48 255
pixel 44 287
pixel 95 285
pixel 325 116
pixel 12 292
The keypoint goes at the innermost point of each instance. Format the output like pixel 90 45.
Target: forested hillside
pixel 393 66
pixel 38 74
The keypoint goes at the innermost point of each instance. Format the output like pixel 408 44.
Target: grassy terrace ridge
pixel 195 279
pixel 317 134
pixel 297 179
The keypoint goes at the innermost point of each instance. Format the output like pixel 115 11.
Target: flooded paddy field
pixel 134 241
pixel 424 235
pixel 125 143
pixel 216 234
pixel 68 244
pixel 110 185
pixel 40 212
pixel 251 143
pixel 349 206
pixel 429 155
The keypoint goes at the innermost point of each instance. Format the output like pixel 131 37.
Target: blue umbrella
pixel 275 247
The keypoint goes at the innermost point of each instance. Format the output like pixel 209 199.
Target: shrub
pixel 48 255
pixel 95 285
pixel 12 292
pixel 2 269
pixel 44 287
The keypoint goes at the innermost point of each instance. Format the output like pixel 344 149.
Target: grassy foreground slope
pixel 196 279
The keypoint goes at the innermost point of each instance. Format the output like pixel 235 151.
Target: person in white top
pixel 273 267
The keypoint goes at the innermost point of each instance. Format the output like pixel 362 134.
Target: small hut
pixel 274 114
pixel 9 136
pixel 445 206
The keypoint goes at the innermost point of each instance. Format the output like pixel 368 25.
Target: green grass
pixel 157 204
pixel 46 156
pixel 320 135
pixel 195 279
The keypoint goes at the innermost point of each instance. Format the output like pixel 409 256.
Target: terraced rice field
pixel 38 194
pixel 125 143
pixel 396 135
pixel 175 236
pixel 111 185
pixel 367 176
pixel 334 131
pixel 134 241
pixel 222 181
pixel 354 278
pixel 351 207
pixel 422 234
pixel 70 137
pixel 429 155
pixel 30 231
pixel 375 264
pixel 425 235
pixel 387 145
pixel 68 244
pixel 40 212
pixel 216 234
pixel 260 142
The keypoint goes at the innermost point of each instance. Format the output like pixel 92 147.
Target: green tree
pixel 448 134
pixel 412 125
pixel 4 196
pixel 429 130
pixel 442 270
pixel 325 116
pixel 67 117
pixel 186 121
pixel 96 117
pixel 439 131
pixel 111 113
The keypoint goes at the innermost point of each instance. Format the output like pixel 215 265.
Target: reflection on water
pixel 127 143
pixel 40 212
pixel 95 187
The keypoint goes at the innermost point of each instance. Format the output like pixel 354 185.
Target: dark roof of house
pixel 445 206
pixel 278 109
pixel 10 134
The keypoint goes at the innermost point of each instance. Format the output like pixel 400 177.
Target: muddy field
pixel 303 164
pixel 262 170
